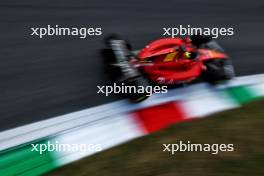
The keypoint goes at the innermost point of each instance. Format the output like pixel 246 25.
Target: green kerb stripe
pixel 23 161
pixel 241 94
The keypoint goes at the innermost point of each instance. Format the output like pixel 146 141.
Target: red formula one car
pixel 167 61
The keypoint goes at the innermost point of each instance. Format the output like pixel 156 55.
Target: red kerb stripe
pixel 161 116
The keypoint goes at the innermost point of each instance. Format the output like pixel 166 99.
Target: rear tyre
pixel 112 70
pixel 116 37
pixel 138 95
pixel 133 82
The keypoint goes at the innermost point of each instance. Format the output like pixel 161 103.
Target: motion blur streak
pixel 49 77
pixel 190 96
pixel 113 127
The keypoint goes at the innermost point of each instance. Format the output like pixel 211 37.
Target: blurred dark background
pixel 42 78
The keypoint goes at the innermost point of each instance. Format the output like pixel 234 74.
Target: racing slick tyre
pixel 198 40
pixel 113 72
pixel 218 70
pixel 206 42
pixel 136 84
pixel 110 62
pixel 116 37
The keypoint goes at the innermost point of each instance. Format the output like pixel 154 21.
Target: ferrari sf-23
pixel 166 61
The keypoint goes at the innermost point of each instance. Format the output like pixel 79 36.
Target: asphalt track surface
pixel 43 78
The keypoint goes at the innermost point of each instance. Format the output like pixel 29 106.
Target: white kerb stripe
pixel 107 133
pixel 205 104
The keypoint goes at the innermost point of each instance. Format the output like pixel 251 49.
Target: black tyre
pixel 218 70
pixel 109 59
pixel 116 37
pixel 110 63
pixel 198 40
pixel 206 42
pixel 138 83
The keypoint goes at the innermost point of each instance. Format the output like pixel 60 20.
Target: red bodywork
pixel 164 64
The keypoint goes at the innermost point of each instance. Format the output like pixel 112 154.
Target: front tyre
pixel 207 42
pixel 218 70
